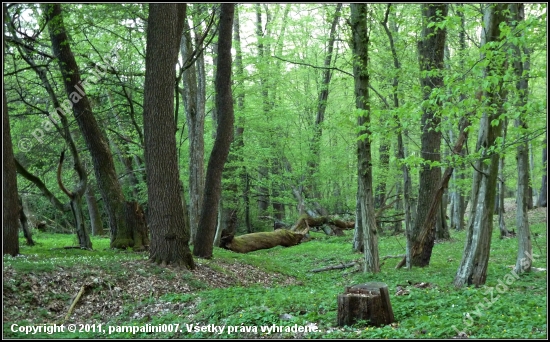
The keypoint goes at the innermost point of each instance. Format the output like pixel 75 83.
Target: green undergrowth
pixel 506 307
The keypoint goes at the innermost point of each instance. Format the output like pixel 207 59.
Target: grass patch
pixel 495 310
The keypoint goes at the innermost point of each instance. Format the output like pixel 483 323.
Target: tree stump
pixel 369 301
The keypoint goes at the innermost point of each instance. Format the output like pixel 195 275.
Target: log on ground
pixel 262 240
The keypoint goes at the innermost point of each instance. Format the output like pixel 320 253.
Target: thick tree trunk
pixel 431 50
pixel 475 260
pixel 102 158
pixel 224 103
pixel 358 24
pixel 169 229
pixel 263 240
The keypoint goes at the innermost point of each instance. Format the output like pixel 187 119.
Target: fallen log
pixel 263 240
pixel 336 267
pixel 336 226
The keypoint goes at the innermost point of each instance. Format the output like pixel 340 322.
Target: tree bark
pixel 195 114
pixel 107 180
pixel 169 229
pixel 523 194
pixel 475 260
pixel 431 50
pixel 93 210
pixel 364 160
pixel 544 185
pixel 262 240
pixel 10 206
pixel 27 232
pixel 224 103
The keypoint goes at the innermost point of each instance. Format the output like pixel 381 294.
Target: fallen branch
pixel 335 267
pixel 77 298
pixel 393 256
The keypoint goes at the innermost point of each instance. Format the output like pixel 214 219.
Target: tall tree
pixel 169 231
pixel 10 205
pixel 475 260
pixel 224 103
pixel 523 264
pixel 315 157
pixel 194 102
pixel 235 171
pixel 360 43
pixel 122 235
pixel 431 50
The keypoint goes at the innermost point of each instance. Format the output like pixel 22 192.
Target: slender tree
pixel 122 236
pixel 475 260
pixel 10 205
pixel 194 103
pixel 365 193
pixel 169 231
pixel 523 263
pixel 224 103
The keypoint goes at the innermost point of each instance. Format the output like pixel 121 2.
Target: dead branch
pixel 336 267
pixel 77 298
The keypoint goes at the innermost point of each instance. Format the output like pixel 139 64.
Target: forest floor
pixel 255 289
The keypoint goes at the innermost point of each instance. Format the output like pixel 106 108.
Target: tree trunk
pixel 235 172
pixel 431 49
pixel 262 240
pixel 102 158
pixel 358 241
pixel 523 196
pixel 75 197
pixel 27 232
pixel 10 204
pixel 169 229
pixel 458 202
pixel 195 114
pixel 501 189
pixel 369 302
pixel 543 188
pixel 224 104
pixel 364 160
pixel 475 260
pixel 442 229
pixel 93 210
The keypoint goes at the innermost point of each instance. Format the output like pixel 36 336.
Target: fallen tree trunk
pixel 306 221
pixel 263 240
